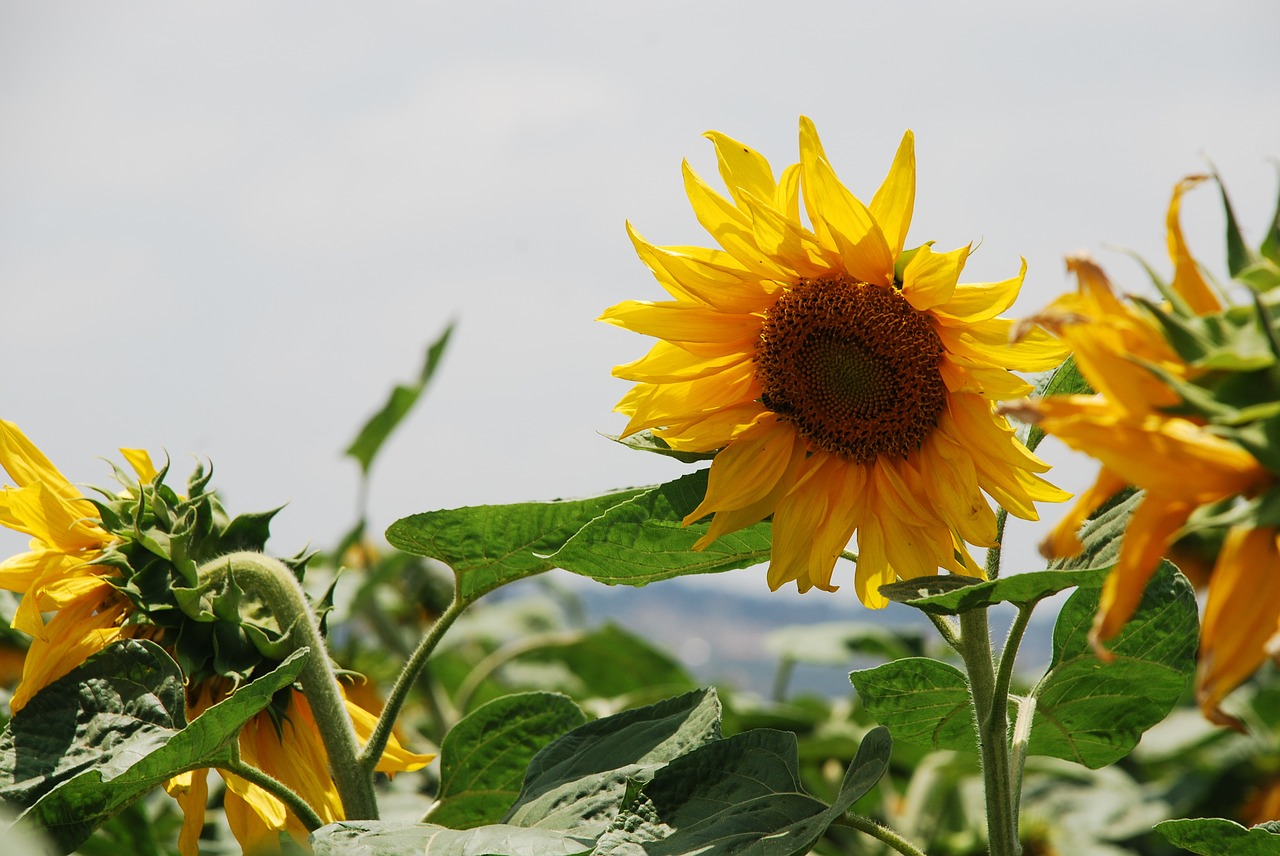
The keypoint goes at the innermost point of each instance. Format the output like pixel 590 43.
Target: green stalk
pixel 880 833
pixel 277 789
pixel 282 594
pixel 368 758
pixel 992 715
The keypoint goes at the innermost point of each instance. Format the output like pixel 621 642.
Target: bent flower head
pixel 847 386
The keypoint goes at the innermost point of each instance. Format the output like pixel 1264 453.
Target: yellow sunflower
pixel 58 576
pixel 1181 464
pixel 847 385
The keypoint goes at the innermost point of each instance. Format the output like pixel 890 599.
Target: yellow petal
pixel 729 226
pixel 191 790
pixel 894 202
pixel 140 460
pixel 839 219
pixel 1145 540
pixel 981 301
pixel 680 322
pixel 742 168
pixel 27 465
pixel 70 637
pixel 748 469
pixel 1187 280
pixel 668 363
pixel 711 278
pixel 930 278
pixel 1241 616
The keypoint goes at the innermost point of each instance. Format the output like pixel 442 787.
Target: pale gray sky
pixel 227 228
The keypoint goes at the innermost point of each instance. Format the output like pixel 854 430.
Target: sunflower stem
pixel 278 789
pixel 991 711
pixel 282 594
pixel 373 750
pixel 881 833
pixel 993 553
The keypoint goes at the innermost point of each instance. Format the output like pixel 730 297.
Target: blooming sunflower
pixel 1137 426
pixel 845 385
pixel 61 575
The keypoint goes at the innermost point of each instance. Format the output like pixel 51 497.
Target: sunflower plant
pixel 853 399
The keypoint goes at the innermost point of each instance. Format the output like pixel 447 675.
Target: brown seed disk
pixel 853 366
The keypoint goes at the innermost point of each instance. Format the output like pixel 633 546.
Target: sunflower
pixel 59 575
pixel 846 385
pixel 1137 427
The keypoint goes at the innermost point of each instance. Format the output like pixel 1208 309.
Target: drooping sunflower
pixel 62 574
pixel 1138 426
pixel 846 385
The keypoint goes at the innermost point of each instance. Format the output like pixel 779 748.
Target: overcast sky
pixel 226 229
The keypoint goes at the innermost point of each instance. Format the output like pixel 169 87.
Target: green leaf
pixel 743 792
pixel 1094 713
pixel 647 441
pixel 1270 248
pixel 1215 836
pixel 392 838
pixel 610 662
pixel 484 757
pixel 643 539
pixel 488 546
pixel 364 448
pixel 920 701
pixel 577 783
pixel 114 729
pixel 1102 536
pixel 1020 589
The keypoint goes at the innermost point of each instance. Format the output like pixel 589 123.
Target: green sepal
pixel 1270 247
pixel 1232 340
pixel 1251 267
pixel 904 259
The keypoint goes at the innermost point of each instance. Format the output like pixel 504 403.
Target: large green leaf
pixel 114 729
pixel 1102 536
pixel 1020 589
pixel 392 838
pixel 364 448
pixel 488 546
pixel 1094 713
pixel 739 793
pixel 484 757
pixel 577 783
pixel 644 539
pixel 920 701
pixel 1216 836
pixel 631 537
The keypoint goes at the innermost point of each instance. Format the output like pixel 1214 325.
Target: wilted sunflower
pixel 59 575
pixel 847 385
pixel 1137 428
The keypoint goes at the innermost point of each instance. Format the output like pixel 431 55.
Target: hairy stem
pixel 373 750
pixel 881 833
pixel 280 591
pixel 992 714
pixel 277 789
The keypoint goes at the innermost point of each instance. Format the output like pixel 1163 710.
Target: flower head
pixel 1171 415
pixel 99 586
pixel 845 384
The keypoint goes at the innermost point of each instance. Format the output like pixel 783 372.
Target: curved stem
pixel 494 661
pixel 992 714
pixel 946 630
pixel 368 758
pixel 880 833
pixel 1004 674
pixel 277 789
pixel 282 594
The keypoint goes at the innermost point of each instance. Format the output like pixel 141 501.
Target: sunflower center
pixel 853 366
